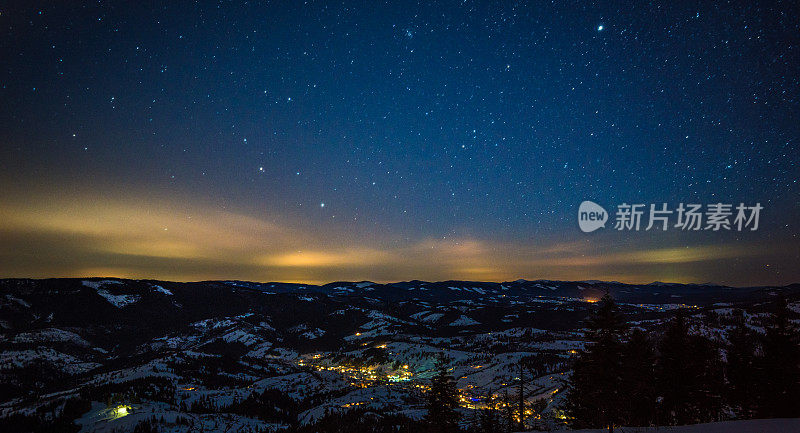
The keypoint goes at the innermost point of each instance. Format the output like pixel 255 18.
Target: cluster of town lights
pixel 362 376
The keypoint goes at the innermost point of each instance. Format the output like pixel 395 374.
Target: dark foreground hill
pixel 112 353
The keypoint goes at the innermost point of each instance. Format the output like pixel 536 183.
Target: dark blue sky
pixel 313 141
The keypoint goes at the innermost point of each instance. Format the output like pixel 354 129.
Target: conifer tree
pixel 639 394
pixel 489 418
pixel 594 398
pixel 689 375
pixel 442 416
pixel 782 366
pixel 743 369
pixel 521 399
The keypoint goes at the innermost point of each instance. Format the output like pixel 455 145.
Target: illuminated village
pixel 296 359
pixel 462 216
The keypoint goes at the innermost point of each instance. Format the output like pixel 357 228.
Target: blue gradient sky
pixel 317 141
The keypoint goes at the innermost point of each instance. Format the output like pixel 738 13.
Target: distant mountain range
pixel 199 350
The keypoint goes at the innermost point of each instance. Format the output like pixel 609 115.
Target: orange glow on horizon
pixel 84 237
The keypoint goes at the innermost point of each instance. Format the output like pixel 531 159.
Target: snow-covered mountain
pixel 242 356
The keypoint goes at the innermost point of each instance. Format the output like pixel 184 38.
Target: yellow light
pixel 119 412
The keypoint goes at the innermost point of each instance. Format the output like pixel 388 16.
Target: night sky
pixel 324 141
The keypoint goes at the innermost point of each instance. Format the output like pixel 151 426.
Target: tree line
pixel 632 378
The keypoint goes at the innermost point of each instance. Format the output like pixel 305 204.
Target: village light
pixel 120 411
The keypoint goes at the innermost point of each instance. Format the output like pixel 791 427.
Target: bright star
pixel 322 205
pixel 599 28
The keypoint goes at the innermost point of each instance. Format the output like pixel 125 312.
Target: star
pixel 352 116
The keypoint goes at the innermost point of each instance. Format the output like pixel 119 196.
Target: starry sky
pixel 385 141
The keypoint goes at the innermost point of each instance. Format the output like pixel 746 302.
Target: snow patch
pixel 315 333
pixel 101 283
pixel 160 289
pixel 464 321
pixel 18 301
pixel 427 316
pixel 119 301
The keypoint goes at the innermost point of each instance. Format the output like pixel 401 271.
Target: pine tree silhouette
pixel 781 385
pixel 489 418
pixel 689 375
pixel 639 391
pixel 521 399
pixel 442 416
pixel 744 372
pixel 594 398
pixel 508 413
